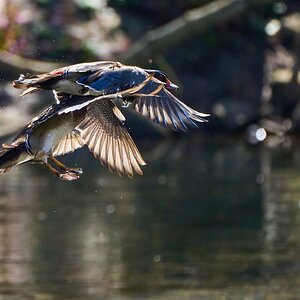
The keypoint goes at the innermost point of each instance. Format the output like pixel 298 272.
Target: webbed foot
pixel 68 176
pixel 77 171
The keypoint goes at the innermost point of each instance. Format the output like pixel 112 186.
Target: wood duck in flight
pixel 60 130
pixel 153 100
pixel 85 113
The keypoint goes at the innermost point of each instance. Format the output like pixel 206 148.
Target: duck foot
pixel 77 171
pixel 68 176
pixel 66 169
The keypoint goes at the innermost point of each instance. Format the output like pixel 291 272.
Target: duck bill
pixel 171 86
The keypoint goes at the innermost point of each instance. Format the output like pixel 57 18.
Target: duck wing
pixel 108 139
pixel 89 67
pixel 68 144
pixel 52 80
pixel 156 103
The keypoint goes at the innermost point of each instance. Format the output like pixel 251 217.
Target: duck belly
pixel 49 134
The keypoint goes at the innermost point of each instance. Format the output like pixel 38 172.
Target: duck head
pixel 161 76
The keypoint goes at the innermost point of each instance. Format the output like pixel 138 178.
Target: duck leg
pixel 77 171
pixel 63 176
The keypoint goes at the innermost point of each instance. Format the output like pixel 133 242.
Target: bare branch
pixel 195 20
pixel 26 64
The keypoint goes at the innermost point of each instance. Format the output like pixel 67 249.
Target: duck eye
pixel 161 78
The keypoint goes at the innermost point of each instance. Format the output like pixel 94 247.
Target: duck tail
pixel 33 83
pixel 11 156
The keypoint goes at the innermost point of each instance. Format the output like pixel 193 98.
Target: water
pixel 212 219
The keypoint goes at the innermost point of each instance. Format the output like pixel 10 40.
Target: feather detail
pixel 4 170
pixel 68 144
pixel 156 103
pixel 109 141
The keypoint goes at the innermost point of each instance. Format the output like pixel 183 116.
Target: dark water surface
pixel 208 220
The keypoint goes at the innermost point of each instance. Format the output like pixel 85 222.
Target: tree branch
pixel 195 20
pixel 26 64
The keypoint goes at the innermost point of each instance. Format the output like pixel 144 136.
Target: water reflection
pixel 208 219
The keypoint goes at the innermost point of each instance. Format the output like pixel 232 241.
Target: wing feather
pixel 158 104
pixel 68 144
pixel 109 141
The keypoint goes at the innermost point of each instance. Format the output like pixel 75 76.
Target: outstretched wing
pixel 68 144
pixel 156 103
pixel 108 139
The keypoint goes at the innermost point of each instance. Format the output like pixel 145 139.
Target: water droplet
pixel 260 178
pixel 157 258
pixel 102 238
pixel 110 209
pixel 261 134
pixel 256 134
pixel 272 27
pixel 219 110
pixel 279 8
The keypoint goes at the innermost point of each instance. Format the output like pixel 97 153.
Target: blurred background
pixel 217 213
